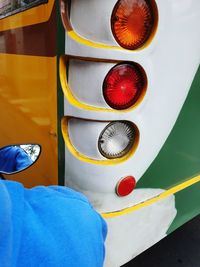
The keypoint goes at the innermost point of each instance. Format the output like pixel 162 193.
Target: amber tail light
pixel 133 22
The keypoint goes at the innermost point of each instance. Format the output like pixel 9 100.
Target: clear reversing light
pixel 117 139
pixel 133 21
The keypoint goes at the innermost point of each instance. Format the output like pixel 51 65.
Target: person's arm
pixel 50 227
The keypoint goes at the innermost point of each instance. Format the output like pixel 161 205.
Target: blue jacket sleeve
pixel 49 227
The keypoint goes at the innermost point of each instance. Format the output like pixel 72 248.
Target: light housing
pixel 133 22
pixel 117 139
pixel 124 85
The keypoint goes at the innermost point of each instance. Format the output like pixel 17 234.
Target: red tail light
pixel 125 186
pixel 123 85
pixel 133 21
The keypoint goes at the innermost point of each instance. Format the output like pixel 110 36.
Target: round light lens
pixel 133 21
pixel 117 139
pixel 123 85
pixel 125 186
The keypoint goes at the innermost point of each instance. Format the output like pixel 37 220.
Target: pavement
pixel 179 249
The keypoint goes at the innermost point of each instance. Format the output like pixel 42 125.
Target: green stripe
pixel 187 205
pixel 60 98
pixel 179 159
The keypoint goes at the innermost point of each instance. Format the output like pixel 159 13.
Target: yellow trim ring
pixel 77 38
pixel 81 157
pixel 64 10
pixel 73 35
pixel 67 92
pixel 73 101
pixel 163 195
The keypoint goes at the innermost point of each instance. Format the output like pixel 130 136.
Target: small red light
pixel 123 85
pixel 133 21
pixel 125 186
